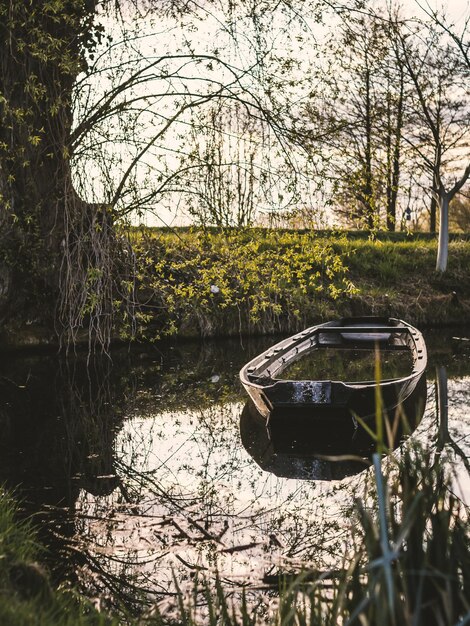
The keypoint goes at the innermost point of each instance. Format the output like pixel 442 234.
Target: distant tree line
pixel 398 115
pixel 376 113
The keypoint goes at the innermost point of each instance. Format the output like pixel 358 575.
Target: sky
pixel 456 9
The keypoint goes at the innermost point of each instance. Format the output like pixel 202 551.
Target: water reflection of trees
pixel 199 503
pixel 62 420
pixel 140 477
pixel 453 438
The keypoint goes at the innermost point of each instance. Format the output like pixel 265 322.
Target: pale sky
pixel 456 9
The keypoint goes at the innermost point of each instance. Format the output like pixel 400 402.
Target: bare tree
pixel 218 175
pixel 439 74
pixel 359 117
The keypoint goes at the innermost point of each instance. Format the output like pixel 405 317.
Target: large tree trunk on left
pixel 41 55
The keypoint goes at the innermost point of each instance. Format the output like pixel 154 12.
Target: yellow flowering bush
pixel 205 283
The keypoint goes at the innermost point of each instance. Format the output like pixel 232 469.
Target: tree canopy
pixel 94 100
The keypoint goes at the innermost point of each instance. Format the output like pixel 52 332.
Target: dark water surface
pixel 150 468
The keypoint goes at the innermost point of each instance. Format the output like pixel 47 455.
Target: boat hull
pixel 324 443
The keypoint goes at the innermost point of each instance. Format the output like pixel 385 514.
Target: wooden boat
pixel 323 396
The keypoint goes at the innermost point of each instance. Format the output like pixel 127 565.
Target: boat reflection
pixel 321 445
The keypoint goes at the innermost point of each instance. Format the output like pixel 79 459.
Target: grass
pixel 399 278
pixel 282 281
pixel 278 281
pixel 27 597
pixel 200 283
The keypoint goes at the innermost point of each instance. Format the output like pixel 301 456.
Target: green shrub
pixel 262 284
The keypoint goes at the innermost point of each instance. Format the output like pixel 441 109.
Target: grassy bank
pixel 194 283
pixel 399 278
pixel 407 561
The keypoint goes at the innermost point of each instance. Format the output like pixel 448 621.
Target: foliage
pixel 241 281
pixel 26 593
pixel 280 281
pixel 57 253
pixel 274 281
pixel 91 133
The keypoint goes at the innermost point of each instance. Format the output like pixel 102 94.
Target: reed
pixel 27 597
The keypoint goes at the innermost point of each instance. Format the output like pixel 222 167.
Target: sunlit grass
pixel 217 283
pixel 282 281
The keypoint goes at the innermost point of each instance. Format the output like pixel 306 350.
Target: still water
pixel 149 469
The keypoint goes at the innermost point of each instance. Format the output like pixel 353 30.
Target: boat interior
pixel 373 335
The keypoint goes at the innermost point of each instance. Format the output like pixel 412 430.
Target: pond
pixel 150 470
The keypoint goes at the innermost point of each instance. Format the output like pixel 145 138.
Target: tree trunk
pixel 390 216
pixel 433 208
pixel 368 188
pixel 436 184
pixel 41 55
pixel 443 247
pixel 444 200
pixel 395 171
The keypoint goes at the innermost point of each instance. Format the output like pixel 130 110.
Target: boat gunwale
pixel 418 351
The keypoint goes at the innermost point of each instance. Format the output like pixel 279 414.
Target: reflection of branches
pixel 444 437
pixel 86 399
pixel 124 593
pixel 203 527
pixel 172 493
pixel 148 483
